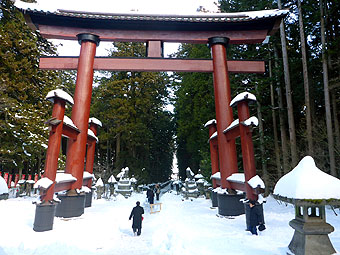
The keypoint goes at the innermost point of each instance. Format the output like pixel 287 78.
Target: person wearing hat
pixel 137 213
pixel 255 217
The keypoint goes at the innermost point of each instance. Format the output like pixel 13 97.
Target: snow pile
pixel 306 181
pixel 210 122
pixel 112 179
pixel 242 96
pixel 100 183
pixel 232 125
pixel 95 121
pixel 251 121
pixel 236 177
pixel 59 94
pixel 69 122
pixel 256 181
pixel 90 133
pixel 213 135
pixel 216 175
pixel 44 183
pixel 3 186
pixel 87 175
pixel 64 177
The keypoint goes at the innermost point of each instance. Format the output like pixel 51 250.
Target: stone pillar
pixel 311 231
pixel 224 114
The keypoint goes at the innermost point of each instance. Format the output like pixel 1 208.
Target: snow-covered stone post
pixel 91 148
pixel 76 149
pixel 112 181
pixel 224 113
pixel 309 189
pixel 3 189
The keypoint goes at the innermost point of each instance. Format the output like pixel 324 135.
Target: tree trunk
pixel 326 92
pixel 291 123
pixel 263 153
pixel 306 83
pixel 284 145
pixel 276 140
pixel 336 121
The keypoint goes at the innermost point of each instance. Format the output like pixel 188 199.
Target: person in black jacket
pixel 150 195
pixel 136 213
pixel 255 217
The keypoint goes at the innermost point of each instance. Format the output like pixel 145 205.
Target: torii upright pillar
pixel 224 113
pixel 73 204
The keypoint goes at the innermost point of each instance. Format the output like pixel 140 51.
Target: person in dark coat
pixel 150 195
pixel 136 213
pixel 255 217
pixel 158 192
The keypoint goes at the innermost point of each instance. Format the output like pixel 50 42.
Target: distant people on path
pixel 254 217
pixel 150 195
pixel 158 191
pixel 136 213
pixel 177 188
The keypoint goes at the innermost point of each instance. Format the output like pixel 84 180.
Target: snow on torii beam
pixel 151 64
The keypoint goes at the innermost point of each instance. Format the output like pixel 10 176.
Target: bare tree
pixel 291 122
pixel 306 83
pixel 326 93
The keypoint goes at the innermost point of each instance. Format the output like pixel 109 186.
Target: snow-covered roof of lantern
pixel 256 181
pixel 198 176
pixel 60 94
pixel 3 186
pixel 112 179
pixel 95 121
pixel 90 133
pixel 308 182
pixel 99 183
pixel 69 122
pixel 44 183
pixel 216 175
pixel 210 122
pixel 242 96
pixel 133 179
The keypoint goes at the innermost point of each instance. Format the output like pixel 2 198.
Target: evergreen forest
pixel 297 99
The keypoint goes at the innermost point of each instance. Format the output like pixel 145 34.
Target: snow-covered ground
pixel 182 227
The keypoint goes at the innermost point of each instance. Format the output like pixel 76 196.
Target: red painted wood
pixel 248 157
pixel 154 49
pixel 54 142
pixel 213 154
pixel 90 153
pixel 70 33
pixel 149 65
pixel 233 133
pixel 80 112
pixel 224 114
pixel 70 132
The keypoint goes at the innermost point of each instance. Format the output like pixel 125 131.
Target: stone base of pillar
pixel 214 202
pixel 230 205
pixel 311 238
pixel 88 199
pixel 44 216
pixel 70 206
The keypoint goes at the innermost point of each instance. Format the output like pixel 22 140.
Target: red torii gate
pixel 217 29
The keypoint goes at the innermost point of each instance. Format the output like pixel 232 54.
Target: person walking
pixel 254 217
pixel 150 195
pixel 136 214
pixel 158 191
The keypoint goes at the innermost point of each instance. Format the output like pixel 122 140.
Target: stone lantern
pixel 309 189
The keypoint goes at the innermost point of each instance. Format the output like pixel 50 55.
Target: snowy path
pixel 182 227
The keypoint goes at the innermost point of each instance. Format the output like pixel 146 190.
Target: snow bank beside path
pixel 182 227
